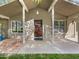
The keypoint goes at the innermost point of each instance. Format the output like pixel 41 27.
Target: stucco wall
pixel 17 17
pixel 43 15
pixel 59 16
pixel 73 28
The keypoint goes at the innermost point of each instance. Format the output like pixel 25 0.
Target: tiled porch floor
pixel 45 46
pixel 58 46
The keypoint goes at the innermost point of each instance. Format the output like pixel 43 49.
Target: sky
pixel 77 1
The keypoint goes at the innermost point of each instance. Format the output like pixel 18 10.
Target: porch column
pixel 53 22
pixel 52 9
pixel 53 16
pixel 23 11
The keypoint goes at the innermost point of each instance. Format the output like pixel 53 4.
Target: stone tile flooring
pixel 66 46
pixel 59 46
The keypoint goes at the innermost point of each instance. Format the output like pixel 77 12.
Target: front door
pixel 38 32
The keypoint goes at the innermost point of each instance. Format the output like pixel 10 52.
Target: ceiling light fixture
pixel 37 2
pixel 37 12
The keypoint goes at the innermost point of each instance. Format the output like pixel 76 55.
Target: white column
pixel 23 11
pixel 53 22
pixel 52 8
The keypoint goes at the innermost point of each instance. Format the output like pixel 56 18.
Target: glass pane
pixel 56 26
pixel 61 29
pixel 19 26
pixel 62 26
pixel 14 26
pixel 56 23
pixel 61 23
pixel 59 26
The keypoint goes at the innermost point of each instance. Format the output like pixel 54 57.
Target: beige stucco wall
pixel 73 28
pixel 59 16
pixel 43 15
pixel 17 16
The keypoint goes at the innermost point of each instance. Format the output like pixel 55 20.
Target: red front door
pixel 38 33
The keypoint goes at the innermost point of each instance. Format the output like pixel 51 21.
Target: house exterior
pixel 39 20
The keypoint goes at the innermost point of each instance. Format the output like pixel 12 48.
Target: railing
pixel 4 2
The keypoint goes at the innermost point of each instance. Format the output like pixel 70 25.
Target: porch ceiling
pixel 61 7
pixel 64 8
pixel 11 9
pixel 45 4
pixel 15 7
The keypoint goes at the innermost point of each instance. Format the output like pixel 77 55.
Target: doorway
pixel 38 32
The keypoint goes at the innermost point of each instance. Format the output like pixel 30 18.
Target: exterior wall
pixel 17 17
pixel 73 28
pixel 59 16
pixel 43 15
pixel 4 23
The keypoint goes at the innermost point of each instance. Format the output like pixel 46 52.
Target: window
pixel 17 26
pixel 59 26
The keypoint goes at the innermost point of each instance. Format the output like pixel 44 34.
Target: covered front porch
pixel 38 26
